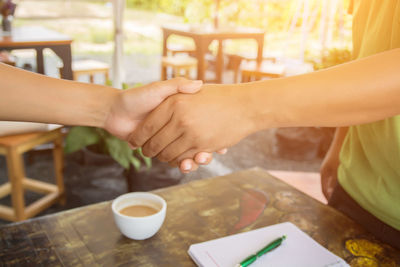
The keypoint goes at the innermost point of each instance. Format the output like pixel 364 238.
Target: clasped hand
pixel 185 126
pixel 129 108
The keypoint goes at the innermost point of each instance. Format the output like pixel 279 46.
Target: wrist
pixel 249 109
pixel 102 101
pixel 266 105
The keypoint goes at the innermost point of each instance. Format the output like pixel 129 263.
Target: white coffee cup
pixel 139 228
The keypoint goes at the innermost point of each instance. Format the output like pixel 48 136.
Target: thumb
pixel 189 87
pixel 162 90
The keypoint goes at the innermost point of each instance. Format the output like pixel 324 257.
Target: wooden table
pixel 197 211
pixel 203 36
pixel 39 38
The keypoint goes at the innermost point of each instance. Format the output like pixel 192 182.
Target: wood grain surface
pixel 198 211
pixel 33 36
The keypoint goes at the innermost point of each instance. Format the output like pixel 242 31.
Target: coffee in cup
pixel 138 211
pixel 139 215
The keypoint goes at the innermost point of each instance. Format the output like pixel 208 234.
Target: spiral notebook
pixel 298 250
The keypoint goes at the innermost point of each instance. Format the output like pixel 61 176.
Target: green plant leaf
pixel 108 82
pixel 146 160
pixel 136 163
pixel 125 86
pixel 80 137
pixel 120 151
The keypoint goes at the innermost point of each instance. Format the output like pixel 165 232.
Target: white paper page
pixel 298 249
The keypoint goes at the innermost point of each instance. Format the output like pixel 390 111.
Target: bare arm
pixel 26 96
pixel 358 92
pixel 330 164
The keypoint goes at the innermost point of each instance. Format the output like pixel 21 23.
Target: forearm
pixel 26 96
pixel 338 139
pixel 358 92
pixel 221 115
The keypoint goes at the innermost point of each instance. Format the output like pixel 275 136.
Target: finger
pixel 188 86
pixel 189 154
pixel 203 158
pixel 151 125
pixel 167 135
pixel 131 146
pixel 176 148
pixel 222 151
pixel 188 165
pixel 161 90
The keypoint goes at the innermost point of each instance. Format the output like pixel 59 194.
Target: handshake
pixel 179 121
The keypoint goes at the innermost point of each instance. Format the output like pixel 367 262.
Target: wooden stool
pixel 13 147
pixel 179 65
pixel 252 71
pixel 89 67
pixel 173 49
pixel 7 58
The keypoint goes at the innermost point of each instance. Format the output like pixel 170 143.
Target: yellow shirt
pixel 370 157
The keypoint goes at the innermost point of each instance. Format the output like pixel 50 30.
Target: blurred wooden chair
pixel 13 147
pixel 236 60
pixel 181 66
pixel 253 71
pixel 89 67
pixel 173 49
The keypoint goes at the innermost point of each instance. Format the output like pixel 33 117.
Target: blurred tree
pixel 323 21
pixel 274 14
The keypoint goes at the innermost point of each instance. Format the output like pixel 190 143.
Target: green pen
pixel 249 260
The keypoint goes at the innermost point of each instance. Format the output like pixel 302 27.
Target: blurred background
pixel 295 29
pixel 300 36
